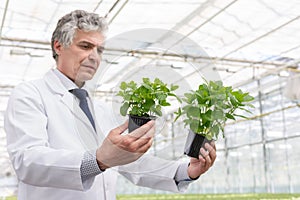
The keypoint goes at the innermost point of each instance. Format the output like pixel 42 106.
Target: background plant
pixel 145 99
pixel 210 106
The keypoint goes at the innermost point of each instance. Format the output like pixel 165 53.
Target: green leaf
pixel 207 124
pixel 161 96
pixel 214 103
pixel 208 115
pixel 120 93
pixel 218 114
pixel 146 98
pixel 249 105
pixel 238 95
pixel 127 97
pixel 174 87
pixel 124 108
pixel 178 113
pixel 193 112
pixel 215 130
pixel 131 85
pixel 189 98
pixel 248 98
pixel 233 101
pixel 123 86
pixel 135 110
pixel 200 128
pixel 142 91
pixel 244 109
pixel 242 116
pixel 230 116
pixel 174 95
pixel 146 81
pixel 156 110
pixel 148 104
pixel 194 124
pixel 164 103
pixel 158 82
pixel 146 85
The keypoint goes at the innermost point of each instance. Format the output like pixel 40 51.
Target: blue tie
pixel 81 94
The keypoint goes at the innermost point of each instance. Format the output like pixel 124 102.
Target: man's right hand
pixel 118 149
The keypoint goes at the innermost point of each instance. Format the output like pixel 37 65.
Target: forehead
pixel 94 37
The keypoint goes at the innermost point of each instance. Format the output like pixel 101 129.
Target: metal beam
pixel 141 53
pixel 198 27
pixel 117 13
pixel 3 19
pixel 115 4
pixel 97 6
pixel 262 36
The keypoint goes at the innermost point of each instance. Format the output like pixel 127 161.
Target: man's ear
pixel 57 47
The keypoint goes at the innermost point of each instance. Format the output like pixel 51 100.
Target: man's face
pixel 81 59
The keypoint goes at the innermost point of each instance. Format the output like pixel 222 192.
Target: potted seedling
pixel 206 111
pixel 143 102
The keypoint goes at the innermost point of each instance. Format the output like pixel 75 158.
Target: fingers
pixel 205 155
pixel 143 143
pixel 208 155
pixel 144 148
pixel 211 149
pixel 119 149
pixel 138 141
pixel 143 131
pixel 120 129
pixel 213 144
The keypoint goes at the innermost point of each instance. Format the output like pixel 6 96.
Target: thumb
pixel 120 129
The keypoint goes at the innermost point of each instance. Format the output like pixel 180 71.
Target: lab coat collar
pixel 67 98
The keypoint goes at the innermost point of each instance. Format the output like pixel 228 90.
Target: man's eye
pixel 100 51
pixel 85 46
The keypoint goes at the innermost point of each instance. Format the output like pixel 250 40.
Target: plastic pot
pixel 138 121
pixel 193 144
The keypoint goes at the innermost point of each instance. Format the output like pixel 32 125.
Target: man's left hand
pixel 206 159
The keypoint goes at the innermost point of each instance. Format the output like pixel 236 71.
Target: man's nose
pixel 94 55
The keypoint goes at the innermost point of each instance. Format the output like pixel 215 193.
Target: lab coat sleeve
pixel 34 161
pixel 148 171
pixel 153 172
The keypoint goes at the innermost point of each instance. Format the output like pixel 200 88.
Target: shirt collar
pixel 67 83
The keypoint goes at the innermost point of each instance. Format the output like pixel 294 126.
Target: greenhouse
pixel 252 46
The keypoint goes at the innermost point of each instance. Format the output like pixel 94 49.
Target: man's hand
pixel 206 160
pixel 118 149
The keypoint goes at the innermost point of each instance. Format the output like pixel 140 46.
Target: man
pixel 54 130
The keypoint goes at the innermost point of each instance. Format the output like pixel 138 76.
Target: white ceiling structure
pixel 240 41
pixel 244 39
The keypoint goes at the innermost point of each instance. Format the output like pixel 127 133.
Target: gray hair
pixel 79 19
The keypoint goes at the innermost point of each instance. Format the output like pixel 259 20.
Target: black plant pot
pixel 137 121
pixel 193 144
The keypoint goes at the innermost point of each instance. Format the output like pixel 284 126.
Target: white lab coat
pixel 47 135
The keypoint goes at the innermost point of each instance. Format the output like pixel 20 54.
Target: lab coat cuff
pixel 182 178
pixel 182 173
pixel 89 168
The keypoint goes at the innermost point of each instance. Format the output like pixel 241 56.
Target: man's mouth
pixel 90 66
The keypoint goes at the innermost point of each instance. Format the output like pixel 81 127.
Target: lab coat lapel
pixel 98 129
pixel 86 132
pixel 68 99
